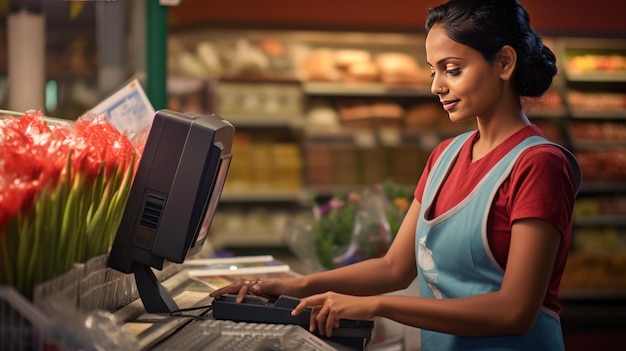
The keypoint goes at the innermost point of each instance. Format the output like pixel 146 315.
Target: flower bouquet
pixel 351 226
pixel 63 188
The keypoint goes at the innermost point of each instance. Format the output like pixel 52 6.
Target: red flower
pixel 63 188
pixel 24 167
pixel 33 156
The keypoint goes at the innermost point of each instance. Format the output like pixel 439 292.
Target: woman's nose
pixel 436 87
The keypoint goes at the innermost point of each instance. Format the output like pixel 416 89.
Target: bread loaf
pixel 399 68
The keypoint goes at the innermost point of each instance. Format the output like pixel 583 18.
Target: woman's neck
pixel 493 131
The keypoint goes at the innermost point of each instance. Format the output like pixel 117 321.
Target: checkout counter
pixel 93 304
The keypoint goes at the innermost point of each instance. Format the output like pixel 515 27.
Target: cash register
pixel 167 217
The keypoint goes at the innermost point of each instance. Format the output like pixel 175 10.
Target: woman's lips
pixel 449 104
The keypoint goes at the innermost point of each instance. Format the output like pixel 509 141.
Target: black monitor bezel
pixel 193 153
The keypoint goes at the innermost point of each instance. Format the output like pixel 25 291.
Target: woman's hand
pixel 330 307
pixel 270 288
pixel 241 288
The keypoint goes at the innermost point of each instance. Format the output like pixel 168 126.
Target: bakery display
pixel 321 65
pixel 590 63
pixel 398 68
pixel 597 101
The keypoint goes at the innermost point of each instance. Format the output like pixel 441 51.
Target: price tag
pixel 128 109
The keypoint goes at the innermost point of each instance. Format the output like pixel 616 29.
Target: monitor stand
pixel 152 293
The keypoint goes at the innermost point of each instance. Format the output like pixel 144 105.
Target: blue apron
pixel 454 260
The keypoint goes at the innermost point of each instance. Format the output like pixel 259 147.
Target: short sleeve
pixel 543 186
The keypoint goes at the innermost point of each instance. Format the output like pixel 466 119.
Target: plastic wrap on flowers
pixel 358 226
pixel 63 188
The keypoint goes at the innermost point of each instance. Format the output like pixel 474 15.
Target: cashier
pixel 488 233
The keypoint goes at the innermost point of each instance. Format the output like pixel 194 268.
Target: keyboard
pixel 211 334
pixel 355 334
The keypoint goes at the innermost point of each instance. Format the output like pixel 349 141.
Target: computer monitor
pixel 172 200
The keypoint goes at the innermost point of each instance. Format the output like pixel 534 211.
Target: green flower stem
pixel 93 221
pixel 6 270
pixel 77 236
pixel 36 252
pixel 11 239
pixel 23 252
pixel 63 200
pixel 67 230
pixel 114 183
pixel 51 241
pixel 70 223
pixel 97 222
pixel 118 204
pixel 97 189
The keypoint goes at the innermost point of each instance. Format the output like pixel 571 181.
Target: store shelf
pixel 266 195
pixel 592 294
pixel 600 221
pixel 595 77
pixel 602 77
pixel 263 120
pixel 250 239
pixel 603 187
pixel 598 144
pixel 364 89
pixel 599 114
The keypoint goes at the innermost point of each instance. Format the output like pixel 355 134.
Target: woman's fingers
pixel 332 322
pixel 326 321
pixel 241 289
pixel 322 318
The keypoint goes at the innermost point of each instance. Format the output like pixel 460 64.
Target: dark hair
pixel 487 26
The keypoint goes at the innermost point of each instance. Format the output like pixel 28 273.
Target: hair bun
pixel 535 71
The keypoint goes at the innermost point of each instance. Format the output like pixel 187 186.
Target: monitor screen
pixel 213 201
pixel 172 200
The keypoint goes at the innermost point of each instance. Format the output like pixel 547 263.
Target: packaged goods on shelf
pixel 598 131
pixel 261 165
pixel 603 164
pixel 345 164
pixel 374 167
pixel 598 262
pixel 319 164
pixel 586 63
pixel 597 101
pixel 407 163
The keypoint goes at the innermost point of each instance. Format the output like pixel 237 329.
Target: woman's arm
pixel 511 310
pixel 396 270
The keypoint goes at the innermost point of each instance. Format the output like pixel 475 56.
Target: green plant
pixel 355 226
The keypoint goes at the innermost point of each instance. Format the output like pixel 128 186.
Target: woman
pixel 488 232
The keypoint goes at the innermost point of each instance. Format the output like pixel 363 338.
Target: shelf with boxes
pixel 598 255
pixel 276 80
pixel 263 190
pixel 365 136
pixel 595 73
pixel 595 94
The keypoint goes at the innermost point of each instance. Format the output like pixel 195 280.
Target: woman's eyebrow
pixel 444 60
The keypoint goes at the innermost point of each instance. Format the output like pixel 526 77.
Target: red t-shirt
pixel 541 185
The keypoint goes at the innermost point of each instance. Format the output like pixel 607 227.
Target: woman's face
pixel 467 85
